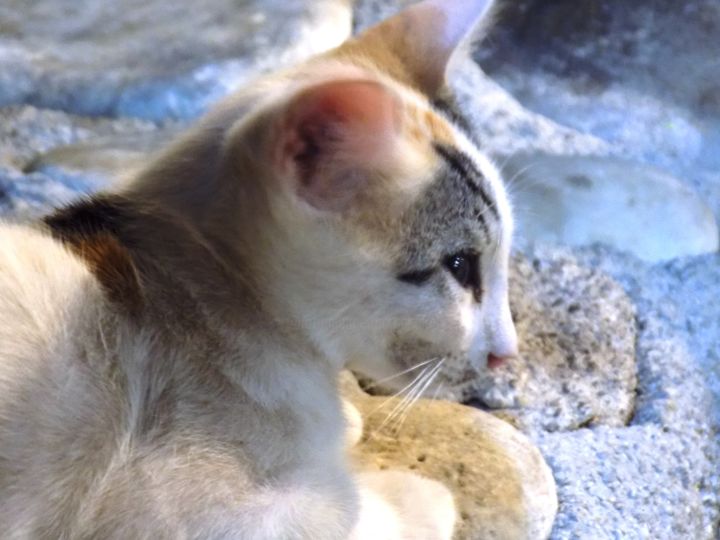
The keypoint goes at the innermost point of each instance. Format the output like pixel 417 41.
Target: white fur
pixel 229 426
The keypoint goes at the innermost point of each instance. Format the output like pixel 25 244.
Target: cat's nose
pixel 497 360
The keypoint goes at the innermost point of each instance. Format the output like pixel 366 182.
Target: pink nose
pixel 495 361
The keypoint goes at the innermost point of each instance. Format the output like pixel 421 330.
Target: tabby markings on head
pixel 456 216
pixel 462 166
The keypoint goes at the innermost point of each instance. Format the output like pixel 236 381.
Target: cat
pixel 169 350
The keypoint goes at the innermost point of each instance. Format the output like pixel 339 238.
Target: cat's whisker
pixel 437 391
pixel 514 185
pixel 407 398
pixel 414 385
pixel 519 173
pixel 401 373
pixel 406 388
pixel 408 407
pixel 525 207
pixel 418 390
pixel 505 161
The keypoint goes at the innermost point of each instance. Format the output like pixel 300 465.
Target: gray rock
pixel 640 482
pixel 580 201
pixel 368 12
pixel 96 163
pixel 576 328
pixel 503 127
pixel 675 428
pixel 27 132
pixel 643 76
pixel 28 196
pixel 48 158
pixel 150 58
pixel 679 337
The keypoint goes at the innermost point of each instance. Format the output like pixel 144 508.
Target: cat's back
pixel 49 304
pixel 45 291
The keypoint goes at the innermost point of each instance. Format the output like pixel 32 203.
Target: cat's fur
pixel 169 352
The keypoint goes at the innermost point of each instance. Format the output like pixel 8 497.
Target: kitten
pixel 169 352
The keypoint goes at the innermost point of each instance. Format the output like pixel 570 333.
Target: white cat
pixel 169 352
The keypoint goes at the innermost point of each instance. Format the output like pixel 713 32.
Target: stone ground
pixel 605 117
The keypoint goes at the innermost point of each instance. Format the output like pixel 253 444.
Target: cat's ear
pixel 416 44
pixel 332 138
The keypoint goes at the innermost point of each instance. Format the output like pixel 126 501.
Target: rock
pixel 95 163
pixel 643 78
pixel 502 126
pixel 678 339
pixel 632 483
pixel 578 201
pixel 502 486
pixel 593 65
pixel 150 58
pixel 576 330
pixel 48 158
pixel 29 196
pixel 707 184
pixel 369 12
pixel 662 471
pixel 27 132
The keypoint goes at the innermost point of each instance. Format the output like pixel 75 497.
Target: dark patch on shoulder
pixel 103 213
pixel 93 230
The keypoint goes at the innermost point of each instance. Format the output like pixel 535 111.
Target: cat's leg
pixel 398 505
pixel 353 424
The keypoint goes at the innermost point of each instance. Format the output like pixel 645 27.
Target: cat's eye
pixel 465 268
pixel 417 277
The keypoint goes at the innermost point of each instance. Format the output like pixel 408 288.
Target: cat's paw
pixel 353 424
pixel 401 505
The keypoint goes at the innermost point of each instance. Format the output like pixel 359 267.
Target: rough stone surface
pixel 41 160
pixel 150 58
pixel 502 486
pixel 640 482
pixel 503 127
pixel 27 196
pixel 679 335
pixel 577 332
pixel 577 348
pixel 579 201
pixel 97 163
pixel 659 477
pixel 644 77
pixel 27 132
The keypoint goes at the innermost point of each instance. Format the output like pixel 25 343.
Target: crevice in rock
pixel 637 391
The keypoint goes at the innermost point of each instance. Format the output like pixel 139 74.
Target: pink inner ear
pixel 334 134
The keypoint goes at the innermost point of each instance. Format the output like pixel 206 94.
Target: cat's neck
pixel 210 303
pixel 204 251
pixel 211 321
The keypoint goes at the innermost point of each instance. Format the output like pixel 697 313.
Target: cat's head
pixel 387 231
